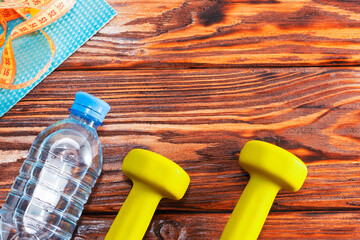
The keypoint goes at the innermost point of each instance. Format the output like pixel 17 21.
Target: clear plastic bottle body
pixel 54 183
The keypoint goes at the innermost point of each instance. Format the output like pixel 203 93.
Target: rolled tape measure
pixel 43 12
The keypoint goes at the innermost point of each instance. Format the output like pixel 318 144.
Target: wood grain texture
pixel 201 119
pixel 181 81
pixel 224 33
pixel 288 225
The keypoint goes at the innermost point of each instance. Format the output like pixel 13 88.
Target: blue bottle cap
pixel 90 106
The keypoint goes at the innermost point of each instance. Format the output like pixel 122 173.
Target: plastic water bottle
pixel 55 181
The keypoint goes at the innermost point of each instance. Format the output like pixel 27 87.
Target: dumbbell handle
pixel 250 212
pixel 135 215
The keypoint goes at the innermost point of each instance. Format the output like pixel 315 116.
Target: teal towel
pixel 69 33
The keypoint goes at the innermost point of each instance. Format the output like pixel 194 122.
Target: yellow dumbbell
pixel 154 177
pixel 271 168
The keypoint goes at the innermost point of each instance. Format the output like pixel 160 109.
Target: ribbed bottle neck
pixel 83 119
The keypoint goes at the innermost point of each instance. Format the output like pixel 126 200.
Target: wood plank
pixel 288 225
pixel 201 119
pixel 231 33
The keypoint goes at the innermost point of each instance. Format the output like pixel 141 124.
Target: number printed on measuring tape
pixel 49 12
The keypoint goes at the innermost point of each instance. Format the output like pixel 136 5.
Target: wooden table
pixel 194 81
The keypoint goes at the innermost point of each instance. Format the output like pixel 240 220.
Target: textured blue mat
pixel 69 33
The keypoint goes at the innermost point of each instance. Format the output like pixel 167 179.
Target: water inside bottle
pixel 62 161
pixel 55 181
